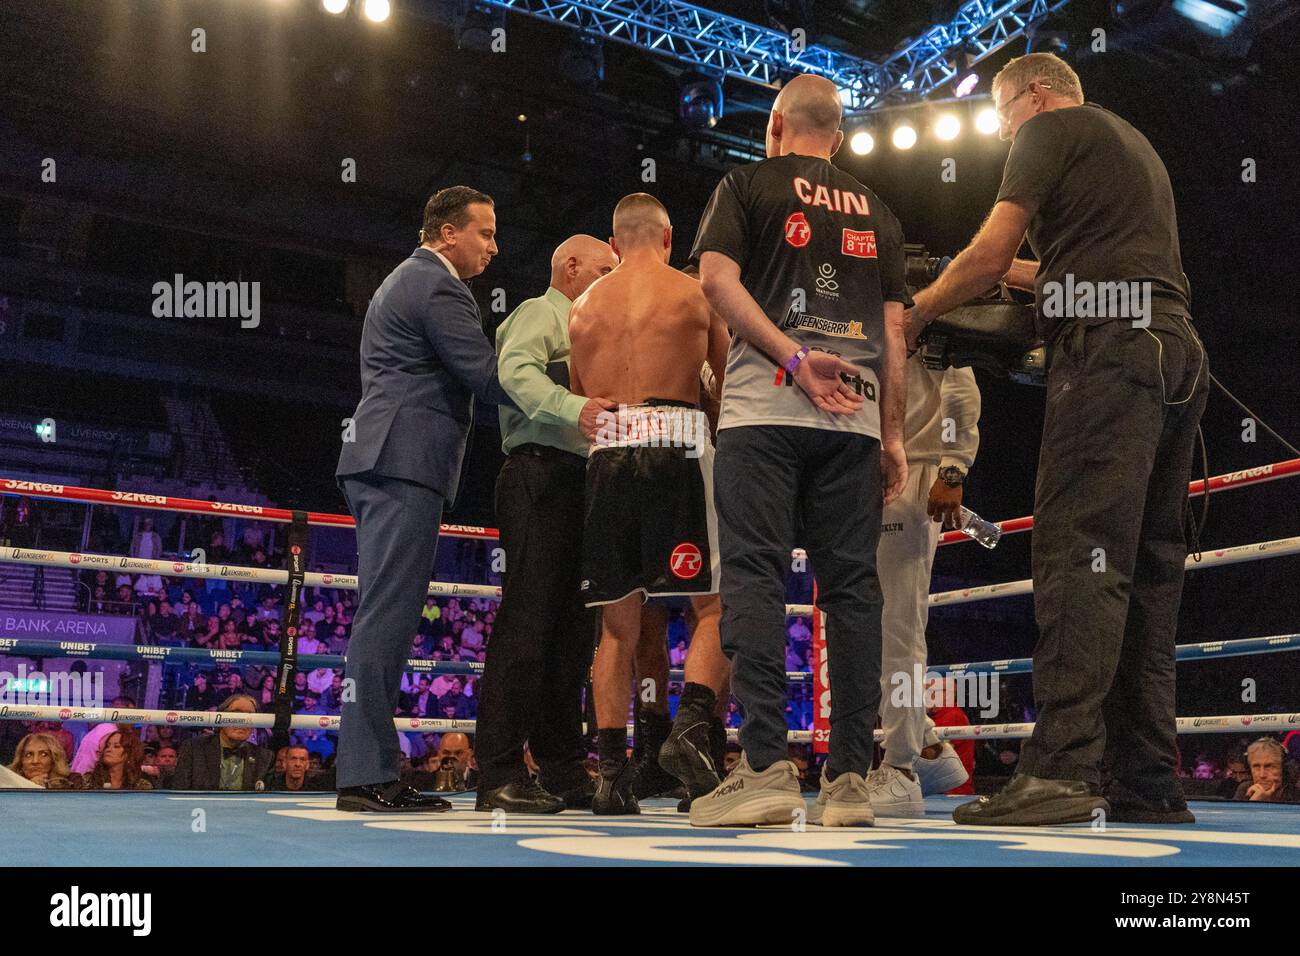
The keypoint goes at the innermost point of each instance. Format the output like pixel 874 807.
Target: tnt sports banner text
pixel 62 626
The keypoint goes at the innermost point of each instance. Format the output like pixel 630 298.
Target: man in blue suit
pixel 424 358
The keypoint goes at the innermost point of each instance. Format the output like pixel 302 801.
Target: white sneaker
pixel 942 773
pixel 750 799
pixel 894 794
pixel 844 802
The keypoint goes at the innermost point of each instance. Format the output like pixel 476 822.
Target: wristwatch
pixel 952 476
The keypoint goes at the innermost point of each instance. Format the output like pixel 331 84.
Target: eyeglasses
pixel 1002 110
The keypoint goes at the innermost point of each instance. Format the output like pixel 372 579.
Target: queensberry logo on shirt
pixel 816 323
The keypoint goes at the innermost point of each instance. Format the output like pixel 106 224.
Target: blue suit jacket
pixel 423 359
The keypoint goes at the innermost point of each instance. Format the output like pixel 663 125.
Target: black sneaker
pixel 614 790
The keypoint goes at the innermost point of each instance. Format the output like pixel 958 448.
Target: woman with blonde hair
pixel 40 758
pixel 119 763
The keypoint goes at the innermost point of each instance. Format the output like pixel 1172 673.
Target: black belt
pixel 671 402
pixel 550 453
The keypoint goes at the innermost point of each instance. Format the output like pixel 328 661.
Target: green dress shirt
pixel 533 362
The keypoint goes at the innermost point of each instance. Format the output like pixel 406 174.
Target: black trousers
pixel 1123 404
pixel 539 657
pixel 778 487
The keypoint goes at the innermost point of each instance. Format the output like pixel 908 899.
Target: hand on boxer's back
pixel 589 421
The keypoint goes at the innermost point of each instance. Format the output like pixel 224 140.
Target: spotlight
pixel 986 121
pixel 947 126
pixel 335 6
pixel 967 84
pixel 377 11
pixel 904 137
pixel 700 103
pixel 862 143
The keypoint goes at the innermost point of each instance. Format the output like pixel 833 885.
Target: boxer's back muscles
pixel 642 331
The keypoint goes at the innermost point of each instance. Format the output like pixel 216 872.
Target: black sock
pixel 652 729
pixel 611 744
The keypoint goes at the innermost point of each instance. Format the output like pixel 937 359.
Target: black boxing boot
pixel 614 790
pixel 688 753
pixel 652 780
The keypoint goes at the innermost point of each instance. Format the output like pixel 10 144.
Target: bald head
pixel 641 221
pixel 458 747
pixel 578 262
pixel 805 118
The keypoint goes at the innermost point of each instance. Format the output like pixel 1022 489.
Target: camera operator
pixel 1127 385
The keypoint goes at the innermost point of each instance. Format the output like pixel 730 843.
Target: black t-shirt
pixel 820 253
pixel 1105 224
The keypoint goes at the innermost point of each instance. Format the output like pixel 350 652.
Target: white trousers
pixel 908 538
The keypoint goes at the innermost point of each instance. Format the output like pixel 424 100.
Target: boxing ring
pixel 172 828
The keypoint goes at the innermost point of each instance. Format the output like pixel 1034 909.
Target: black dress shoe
pixel 525 796
pixel 394 797
pixel 1129 806
pixel 578 797
pixel 1028 801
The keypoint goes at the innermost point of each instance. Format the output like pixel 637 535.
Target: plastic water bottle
pixel 985 532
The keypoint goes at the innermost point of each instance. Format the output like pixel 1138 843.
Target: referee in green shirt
pixel 540 653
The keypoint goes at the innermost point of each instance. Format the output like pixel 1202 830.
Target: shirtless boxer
pixel 640 337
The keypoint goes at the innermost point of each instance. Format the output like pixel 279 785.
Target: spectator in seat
pixel 200 695
pixel 40 758
pixel 307 642
pixel 266 694
pixel 224 760
pixel 91 744
pixel 210 636
pixel 1235 774
pixel 316 613
pixel 125 600
pixel 1272 777
pixel 300 689
pixel 166 625
pixel 218 553
pixel 332 698
pixel 320 680
pixel 454 707
pixel 295 775
pixel 431 615
pixel 165 759
pixel 677 656
pixel 338 642
pixel 120 765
